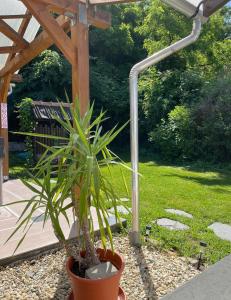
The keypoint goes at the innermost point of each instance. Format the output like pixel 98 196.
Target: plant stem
pixel 91 258
pixel 91 255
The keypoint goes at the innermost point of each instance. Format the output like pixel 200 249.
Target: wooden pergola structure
pixel 57 18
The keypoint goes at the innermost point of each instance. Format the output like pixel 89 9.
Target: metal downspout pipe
pixel 133 82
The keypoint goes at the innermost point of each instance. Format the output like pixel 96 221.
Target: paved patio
pixel 38 239
pixel 212 284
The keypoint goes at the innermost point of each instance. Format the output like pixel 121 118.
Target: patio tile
pixel 38 238
pixel 5 213
pixel 212 284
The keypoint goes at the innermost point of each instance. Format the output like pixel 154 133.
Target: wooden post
pixel 5 84
pixel 1 165
pixel 80 66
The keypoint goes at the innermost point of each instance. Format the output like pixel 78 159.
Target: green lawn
pixel 206 194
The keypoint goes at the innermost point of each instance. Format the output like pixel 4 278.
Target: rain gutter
pixel 133 82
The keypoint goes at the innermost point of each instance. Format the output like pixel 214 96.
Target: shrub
pixel 212 118
pixel 201 131
pixel 26 124
pixel 171 137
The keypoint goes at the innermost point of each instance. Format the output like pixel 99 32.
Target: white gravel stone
pixel 149 274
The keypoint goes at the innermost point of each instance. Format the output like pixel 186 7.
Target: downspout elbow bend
pixel 134 73
pixel 197 25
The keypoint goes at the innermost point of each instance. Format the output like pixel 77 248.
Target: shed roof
pixel 44 111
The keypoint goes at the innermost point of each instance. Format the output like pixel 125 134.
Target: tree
pixel 212 118
pixel 45 78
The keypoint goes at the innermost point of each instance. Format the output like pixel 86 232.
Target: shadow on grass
pixel 17 167
pixel 154 159
pixel 222 191
pixel 221 180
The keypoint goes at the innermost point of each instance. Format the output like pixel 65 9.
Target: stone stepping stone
pixel 171 224
pixel 223 231
pixel 121 210
pixel 179 212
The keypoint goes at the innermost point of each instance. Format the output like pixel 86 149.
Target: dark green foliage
pixel 162 91
pixel 172 137
pixel 212 121
pixel 202 131
pixel 27 123
pixel 46 78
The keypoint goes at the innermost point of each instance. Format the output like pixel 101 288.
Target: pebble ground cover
pixel 149 274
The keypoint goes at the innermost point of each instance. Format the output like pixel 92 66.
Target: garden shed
pixel 44 116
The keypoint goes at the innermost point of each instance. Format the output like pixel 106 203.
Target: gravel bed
pixel 149 274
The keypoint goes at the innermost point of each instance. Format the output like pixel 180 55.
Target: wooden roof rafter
pixel 51 25
pixel 9 49
pixel 19 43
pixel 21 31
pixel 9 32
pixel 8 17
pixel 42 42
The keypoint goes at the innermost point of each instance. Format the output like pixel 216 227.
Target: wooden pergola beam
pixel 99 18
pixel 211 6
pixel 9 49
pixel 6 17
pixel 12 34
pixel 96 17
pixel 42 42
pixel 60 38
pixel 80 66
pixel 61 6
pixel 4 88
pixel 21 31
pixel 16 78
pixel 98 2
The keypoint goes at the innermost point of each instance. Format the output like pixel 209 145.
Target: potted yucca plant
pixel 80 185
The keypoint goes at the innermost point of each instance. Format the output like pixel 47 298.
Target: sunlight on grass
pixel 205 195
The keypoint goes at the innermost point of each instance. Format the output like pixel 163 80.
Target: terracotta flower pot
pixel 99 289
